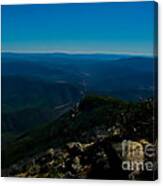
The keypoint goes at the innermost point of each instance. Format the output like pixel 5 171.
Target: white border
pixel 42 182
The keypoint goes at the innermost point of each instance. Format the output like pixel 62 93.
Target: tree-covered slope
pixel 27 102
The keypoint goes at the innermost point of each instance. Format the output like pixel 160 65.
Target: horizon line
pixel 81 52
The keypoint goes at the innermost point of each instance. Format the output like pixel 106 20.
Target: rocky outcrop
pixel 106 139
pixel 99 159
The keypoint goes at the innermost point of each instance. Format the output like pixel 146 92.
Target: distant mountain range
pixel 34 84
pixel 108 74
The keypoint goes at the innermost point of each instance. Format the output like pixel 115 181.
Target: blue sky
pixel 100 27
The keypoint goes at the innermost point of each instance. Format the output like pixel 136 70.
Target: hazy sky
pixel 101 27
